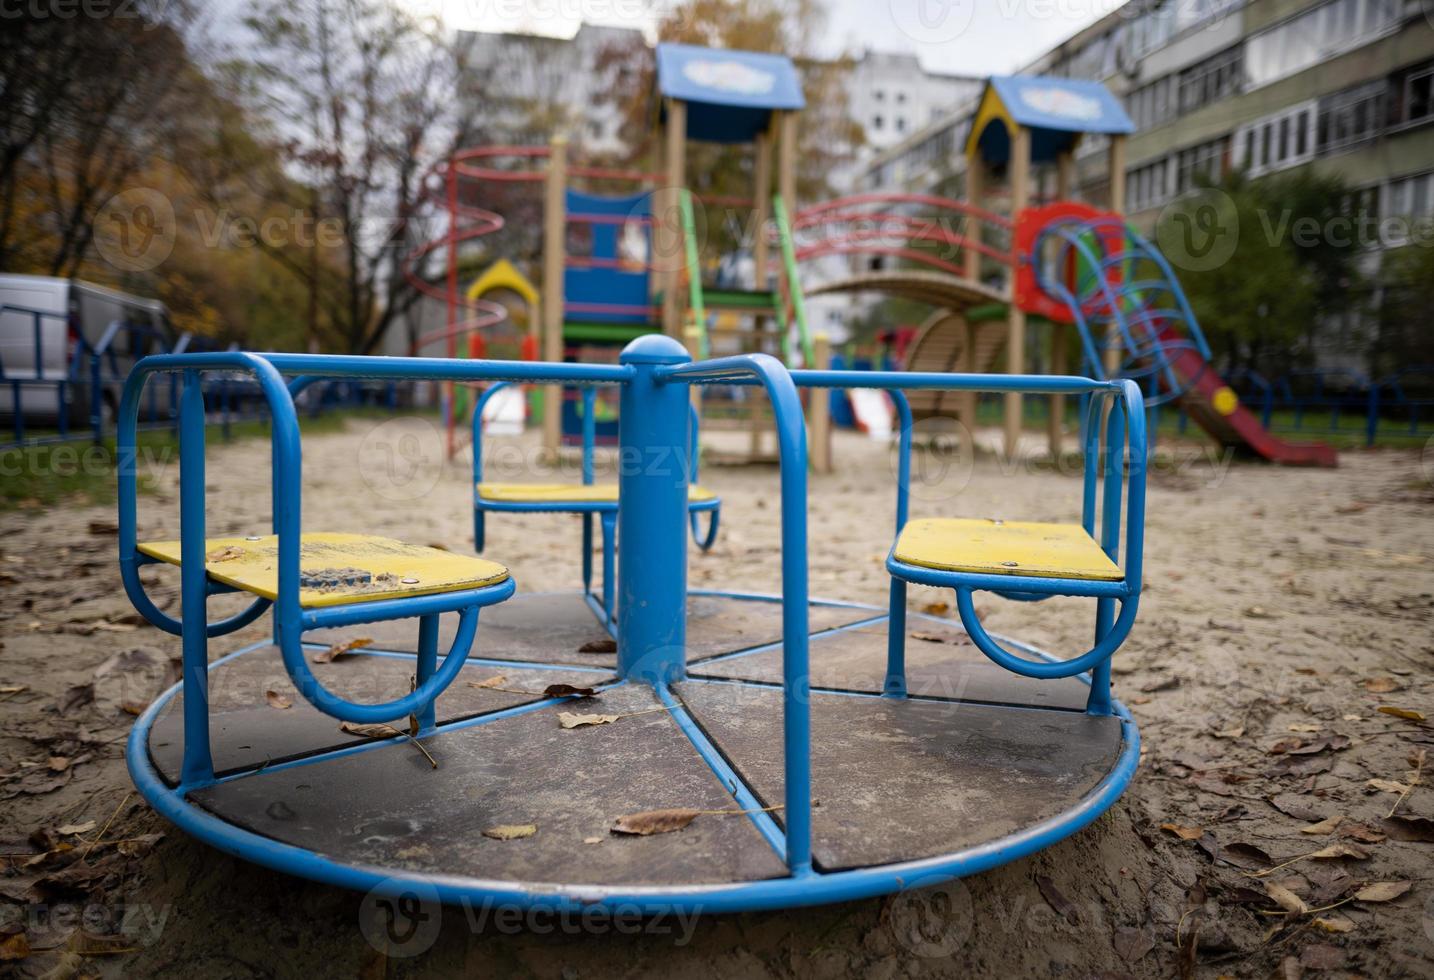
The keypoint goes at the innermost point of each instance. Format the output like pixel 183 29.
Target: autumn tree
pixel 361 94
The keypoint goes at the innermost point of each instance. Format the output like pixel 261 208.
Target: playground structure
pixel 991 266
pixel 620 256
pixel 750 714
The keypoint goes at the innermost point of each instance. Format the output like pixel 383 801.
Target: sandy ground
pixel 1283 610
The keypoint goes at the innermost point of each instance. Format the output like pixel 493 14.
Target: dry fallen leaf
pixel 1057 900
pixel 497 680
pixel 1341 851
pixel 1184 833
pixel 1408 714
pixel 1325 826
pixel 1236 732
pixel 338 650
pixel 1419 829
pixel 1333 923
pixel 936 608
pixel 650 822
pixel 1285 898
pixel 511 831
pixel 1307 729
pixel 1386 786
pixel 1382 891
pixel 227 553
pixel 58 763
pixel 569 720
pixel 568 691
pixel 14 947
pixel 592 840
pixel 1381 685
pixel 599 646
pixel 277 700
pixel 928 637
pixel 12 688
pixel 71 829
pixel 1363 833
pixel 378 730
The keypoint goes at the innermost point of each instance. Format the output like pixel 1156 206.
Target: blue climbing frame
pixel 604 510
pixel 654 376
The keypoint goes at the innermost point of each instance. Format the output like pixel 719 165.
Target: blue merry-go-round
pixel 816 751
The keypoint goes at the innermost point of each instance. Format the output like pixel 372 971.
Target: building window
pixel 1351 116
pixel 1151 105
pixel 877 122
pixel 1196 163
pixel 901 124
pixel 1284 139
pixel 900 97
pixel 879 95
pixel 1316 35
pixel 1214 78
pixel 1145 186
pixel 1410 197
pixel 1416 97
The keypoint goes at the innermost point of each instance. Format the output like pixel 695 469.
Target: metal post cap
pixel 654 348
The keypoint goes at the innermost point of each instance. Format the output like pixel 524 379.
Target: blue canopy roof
pixel 730 95
pixel 1056 111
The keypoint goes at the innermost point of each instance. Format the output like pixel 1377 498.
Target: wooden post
pixel 974 167
pixel 670 250
pixel 761 208
pixel 787 159
pixel 966 364
pixel 1055 425
pixel 555 225
pixel 819 403
pixel 1117 205
pixel 1020 170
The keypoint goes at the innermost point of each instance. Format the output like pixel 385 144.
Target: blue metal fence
pixel 94 376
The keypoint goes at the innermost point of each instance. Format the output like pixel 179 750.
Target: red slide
pixel 1217 410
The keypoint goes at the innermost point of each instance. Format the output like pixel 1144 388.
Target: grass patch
pixel 79 473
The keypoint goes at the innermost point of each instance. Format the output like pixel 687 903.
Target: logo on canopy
pixel 729 76
pixel 1062 102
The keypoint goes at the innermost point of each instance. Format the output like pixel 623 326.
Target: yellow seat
pixel 335 569
pixel 567 493
pixel 1006 548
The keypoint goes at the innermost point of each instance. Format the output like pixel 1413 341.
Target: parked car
pixel 43 321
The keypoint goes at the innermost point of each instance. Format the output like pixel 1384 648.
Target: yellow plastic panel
pixel 394 569
pixel 1005 548
pixel 566 493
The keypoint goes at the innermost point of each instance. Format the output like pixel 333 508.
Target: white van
pixel 42 319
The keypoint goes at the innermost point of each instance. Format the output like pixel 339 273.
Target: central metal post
pixel 652 515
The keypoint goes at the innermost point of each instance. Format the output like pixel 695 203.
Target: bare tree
pixel 362 97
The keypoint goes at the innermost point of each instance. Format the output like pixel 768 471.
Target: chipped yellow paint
pixel 1225 401
pixel 567 493
pixel 1005 548
pixel 399 570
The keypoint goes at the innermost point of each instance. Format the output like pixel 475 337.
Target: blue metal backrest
pixel 602 284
